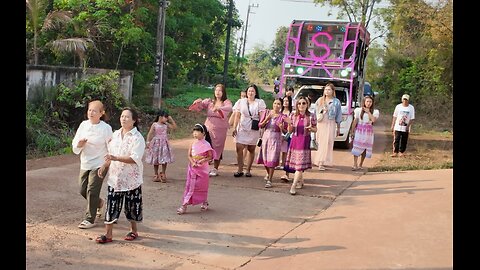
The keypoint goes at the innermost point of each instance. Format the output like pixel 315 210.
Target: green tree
pixel 35 16
pixel 277 49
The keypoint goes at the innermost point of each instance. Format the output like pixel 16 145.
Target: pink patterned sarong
pixel 363 140
pixel 196 186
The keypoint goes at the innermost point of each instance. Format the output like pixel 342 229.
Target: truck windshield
pixel 315 93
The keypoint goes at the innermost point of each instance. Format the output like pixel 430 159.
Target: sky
pixel 265 19
pixel 272 14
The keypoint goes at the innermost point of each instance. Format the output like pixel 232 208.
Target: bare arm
pixel 150 134
pixel 171 123
pixel 236 122
pixel 393 122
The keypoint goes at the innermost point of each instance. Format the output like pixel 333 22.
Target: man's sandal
pixel 102 239
pixel 131 236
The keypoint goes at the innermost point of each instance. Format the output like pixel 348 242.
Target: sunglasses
pixel 302 103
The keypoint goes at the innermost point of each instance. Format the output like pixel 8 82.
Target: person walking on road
pixel 328 109
pixel 90 142
pixel 269 154
pixel 159 150
pixel 300 124
pixel 200 154
pixel 402 121
pixel 362 131
pixel 125 176
pixel 246 129
pixel 218 108
pixel 287 109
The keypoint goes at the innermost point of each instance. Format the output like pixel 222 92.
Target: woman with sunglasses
pixel 300 124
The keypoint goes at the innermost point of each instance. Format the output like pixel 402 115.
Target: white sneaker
pixel 268 184
pixel 86 225
pixel 213 172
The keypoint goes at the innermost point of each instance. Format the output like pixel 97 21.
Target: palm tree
pixel 35 8
pixel 78 45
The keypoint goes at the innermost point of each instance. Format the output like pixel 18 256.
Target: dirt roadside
pixel 340 220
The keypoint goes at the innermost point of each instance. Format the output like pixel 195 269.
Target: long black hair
pixel 257 94
pixel 203 129
pixel 290 103
pixel 161 113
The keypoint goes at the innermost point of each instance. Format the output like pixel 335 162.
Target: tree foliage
pixel 119 34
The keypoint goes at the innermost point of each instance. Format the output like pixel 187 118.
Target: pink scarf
pixel 202 146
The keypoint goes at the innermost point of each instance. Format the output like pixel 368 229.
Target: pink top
pixel 218 119
pixel 201 147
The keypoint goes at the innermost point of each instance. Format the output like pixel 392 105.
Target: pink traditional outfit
pixel 363 140
pixel 216 123
pixel 159 150
pixel 196 186
pixel 269 154
pixel 299 153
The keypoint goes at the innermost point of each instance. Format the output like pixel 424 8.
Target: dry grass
pixel 425 151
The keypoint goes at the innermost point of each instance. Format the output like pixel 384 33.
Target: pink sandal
pixel 182 209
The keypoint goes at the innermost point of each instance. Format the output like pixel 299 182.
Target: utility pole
pixel 246 27
pixel 227 42
pixel 158 80
pixel 239 43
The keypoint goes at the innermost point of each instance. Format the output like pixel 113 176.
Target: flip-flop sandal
pixel 156 178
pixel 131 236
pixel 102 239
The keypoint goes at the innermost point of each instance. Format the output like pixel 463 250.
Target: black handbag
pixel 254 122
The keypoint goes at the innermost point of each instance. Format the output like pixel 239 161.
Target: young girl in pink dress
pixel 158 149
pixel 199 154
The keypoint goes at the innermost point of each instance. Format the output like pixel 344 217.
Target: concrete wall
pixel 41 77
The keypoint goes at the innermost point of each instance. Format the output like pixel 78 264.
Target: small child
pixel 158 149
pixel 199 154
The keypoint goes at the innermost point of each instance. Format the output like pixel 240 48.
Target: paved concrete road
pixel 340 220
